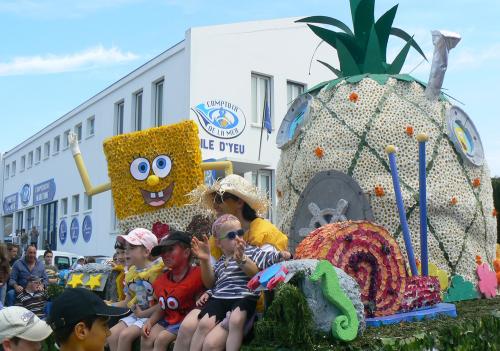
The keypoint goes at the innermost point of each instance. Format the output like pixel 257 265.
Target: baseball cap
pixel 171 239
pixel 140 236
pixel 20 322
pixel 74 305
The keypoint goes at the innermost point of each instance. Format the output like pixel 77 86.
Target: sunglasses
pixel 220 198
pixel 232 234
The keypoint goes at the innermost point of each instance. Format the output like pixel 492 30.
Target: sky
pixel 56 54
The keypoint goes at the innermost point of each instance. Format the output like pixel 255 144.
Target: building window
pixel 119 110
pixel 158 107
pixel 263 180
pixel 138 111
pixel 57 144
pixel 87 202
pixel 90 126
pixel 7 172
pixel 30 218
pixel 293 90
pixel 114 219
pixel 38 154
pixel 65 139
pixel 13 169
pixel 30 159
pixel 64 206
pixel 261 93
pixel 78 131
pixel 46 150
pixel 75 203
pixel 23 163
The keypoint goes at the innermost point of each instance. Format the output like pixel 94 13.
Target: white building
pixel 230 66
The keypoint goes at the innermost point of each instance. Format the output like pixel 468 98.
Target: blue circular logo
pixel 25 194
pixel 220 118
pixel 74 230
pixel 63 231
pixel 87 228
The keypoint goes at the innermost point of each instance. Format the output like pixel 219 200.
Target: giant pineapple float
pixel 333 164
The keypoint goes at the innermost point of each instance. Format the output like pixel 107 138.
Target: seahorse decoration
pixel 369 254
pixel 344 326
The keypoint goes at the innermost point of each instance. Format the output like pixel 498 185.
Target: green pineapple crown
pixel 365 49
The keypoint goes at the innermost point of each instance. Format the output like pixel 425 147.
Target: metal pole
pixel 424 258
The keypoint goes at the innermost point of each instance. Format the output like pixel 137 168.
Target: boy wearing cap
pixel 21 330
pixel 79 319
pixel 176 291
pixel 139 287
pixel 34 297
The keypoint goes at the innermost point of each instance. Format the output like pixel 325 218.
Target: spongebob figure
pixel 150 172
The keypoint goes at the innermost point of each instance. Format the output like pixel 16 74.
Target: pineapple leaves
pixel 364 48
pixel 408 38
pixel 383 27
pixel 363 20
pixel 399 61
pixel 327 20
pixel 373 55
pixel 331 68
pixel 348 64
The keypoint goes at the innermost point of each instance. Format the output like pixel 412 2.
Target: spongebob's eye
pixel 162 166
pixel 139 168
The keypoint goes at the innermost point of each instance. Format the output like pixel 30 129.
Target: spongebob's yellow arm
pixel 226 166
pixel 77 156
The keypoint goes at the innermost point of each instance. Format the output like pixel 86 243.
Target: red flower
pixel 494 213
pixel 409 131
pixel 453 200
pixel 160 230
pixel 476 182
pixel 353 97
pixel 319 152
pixel 379 191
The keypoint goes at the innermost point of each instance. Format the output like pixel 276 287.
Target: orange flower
pixel 319 152
pixel 353 97
pixel 494 213
pixel 379 191
pixel 453 200
pixel 479 260
pixel 476 182
pixel 409 131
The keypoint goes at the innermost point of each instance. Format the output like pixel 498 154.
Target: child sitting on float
pixel 175 291
pixel 138 291
pixel 229 293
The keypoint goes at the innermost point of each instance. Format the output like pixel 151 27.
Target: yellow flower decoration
pixel 154 168
pixel 434 271
pixel 76 279
pixel 94 281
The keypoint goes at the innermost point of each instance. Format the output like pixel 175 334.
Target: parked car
pixel 62 260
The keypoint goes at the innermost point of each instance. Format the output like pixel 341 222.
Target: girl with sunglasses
pixel 228 294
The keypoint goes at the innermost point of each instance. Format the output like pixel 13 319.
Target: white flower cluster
pixel 353 134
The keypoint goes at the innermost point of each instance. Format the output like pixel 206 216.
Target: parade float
pixel 383 190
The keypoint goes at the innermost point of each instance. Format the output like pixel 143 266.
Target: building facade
pixel 251 71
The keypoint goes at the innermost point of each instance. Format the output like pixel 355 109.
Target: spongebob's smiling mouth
pixel 158 198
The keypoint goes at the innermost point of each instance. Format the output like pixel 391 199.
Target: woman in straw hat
pixel 237 196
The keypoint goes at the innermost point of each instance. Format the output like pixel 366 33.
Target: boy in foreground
pixel 79 319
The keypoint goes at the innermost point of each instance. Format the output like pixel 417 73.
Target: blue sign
pixel 25 194
pixel 87 228
pixel 63 231
pixel 10 204
pixel 44 192
pixel 74 230
pixel 220 118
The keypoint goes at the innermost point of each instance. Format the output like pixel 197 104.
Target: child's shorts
pixel 133 320
pixel 171 328
pixel 220 307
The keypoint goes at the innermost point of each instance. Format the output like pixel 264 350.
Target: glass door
pixel 49 228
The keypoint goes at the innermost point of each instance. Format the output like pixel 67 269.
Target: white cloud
pixel 89 59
